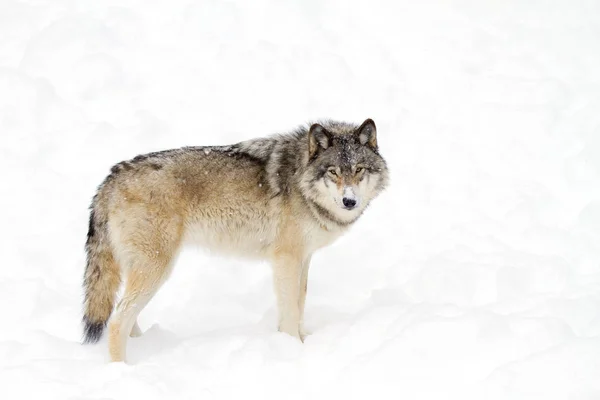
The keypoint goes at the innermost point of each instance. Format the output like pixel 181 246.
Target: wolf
pixel 278 198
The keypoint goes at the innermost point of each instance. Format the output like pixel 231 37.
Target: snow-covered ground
pixel 475 276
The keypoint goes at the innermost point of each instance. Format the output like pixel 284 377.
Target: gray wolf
pixel 278 198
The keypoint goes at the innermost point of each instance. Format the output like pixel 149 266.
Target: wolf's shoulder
pixel 263 148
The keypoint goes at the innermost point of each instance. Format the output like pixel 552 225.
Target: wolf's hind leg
pixel 148 248
pixel 142 284
pixel 143 281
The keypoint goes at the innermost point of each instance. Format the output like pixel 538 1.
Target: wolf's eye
pixel 332 171
pixel 359 170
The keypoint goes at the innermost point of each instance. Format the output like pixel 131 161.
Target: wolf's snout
pixel 348 202
pixel 349 198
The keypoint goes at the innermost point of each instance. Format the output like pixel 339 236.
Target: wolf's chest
pixel 317 237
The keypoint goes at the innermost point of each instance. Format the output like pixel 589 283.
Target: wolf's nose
pixel 348 203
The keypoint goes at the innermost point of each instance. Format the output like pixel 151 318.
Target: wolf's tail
pixel 102 275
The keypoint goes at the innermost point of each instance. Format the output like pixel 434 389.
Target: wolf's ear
pixel 367 134
pixel 318 139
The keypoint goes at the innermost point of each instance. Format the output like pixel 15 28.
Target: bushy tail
pixel 102 276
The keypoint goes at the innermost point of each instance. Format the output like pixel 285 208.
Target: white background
pixel 476 275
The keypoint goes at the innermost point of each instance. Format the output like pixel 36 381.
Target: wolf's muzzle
pixel 349 203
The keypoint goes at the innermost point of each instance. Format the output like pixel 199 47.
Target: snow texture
pixel 475 276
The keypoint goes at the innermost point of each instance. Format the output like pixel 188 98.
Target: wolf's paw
pixel 291 330
pixel 135 331
pixel 304 333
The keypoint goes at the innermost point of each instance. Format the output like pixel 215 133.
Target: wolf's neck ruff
pixel 326 217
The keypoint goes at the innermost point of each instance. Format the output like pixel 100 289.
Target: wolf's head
pixel 344 171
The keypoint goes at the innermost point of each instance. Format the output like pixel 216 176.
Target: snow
pixel 475 276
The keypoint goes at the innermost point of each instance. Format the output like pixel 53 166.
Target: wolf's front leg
pixel 287 269
pixel 302 296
